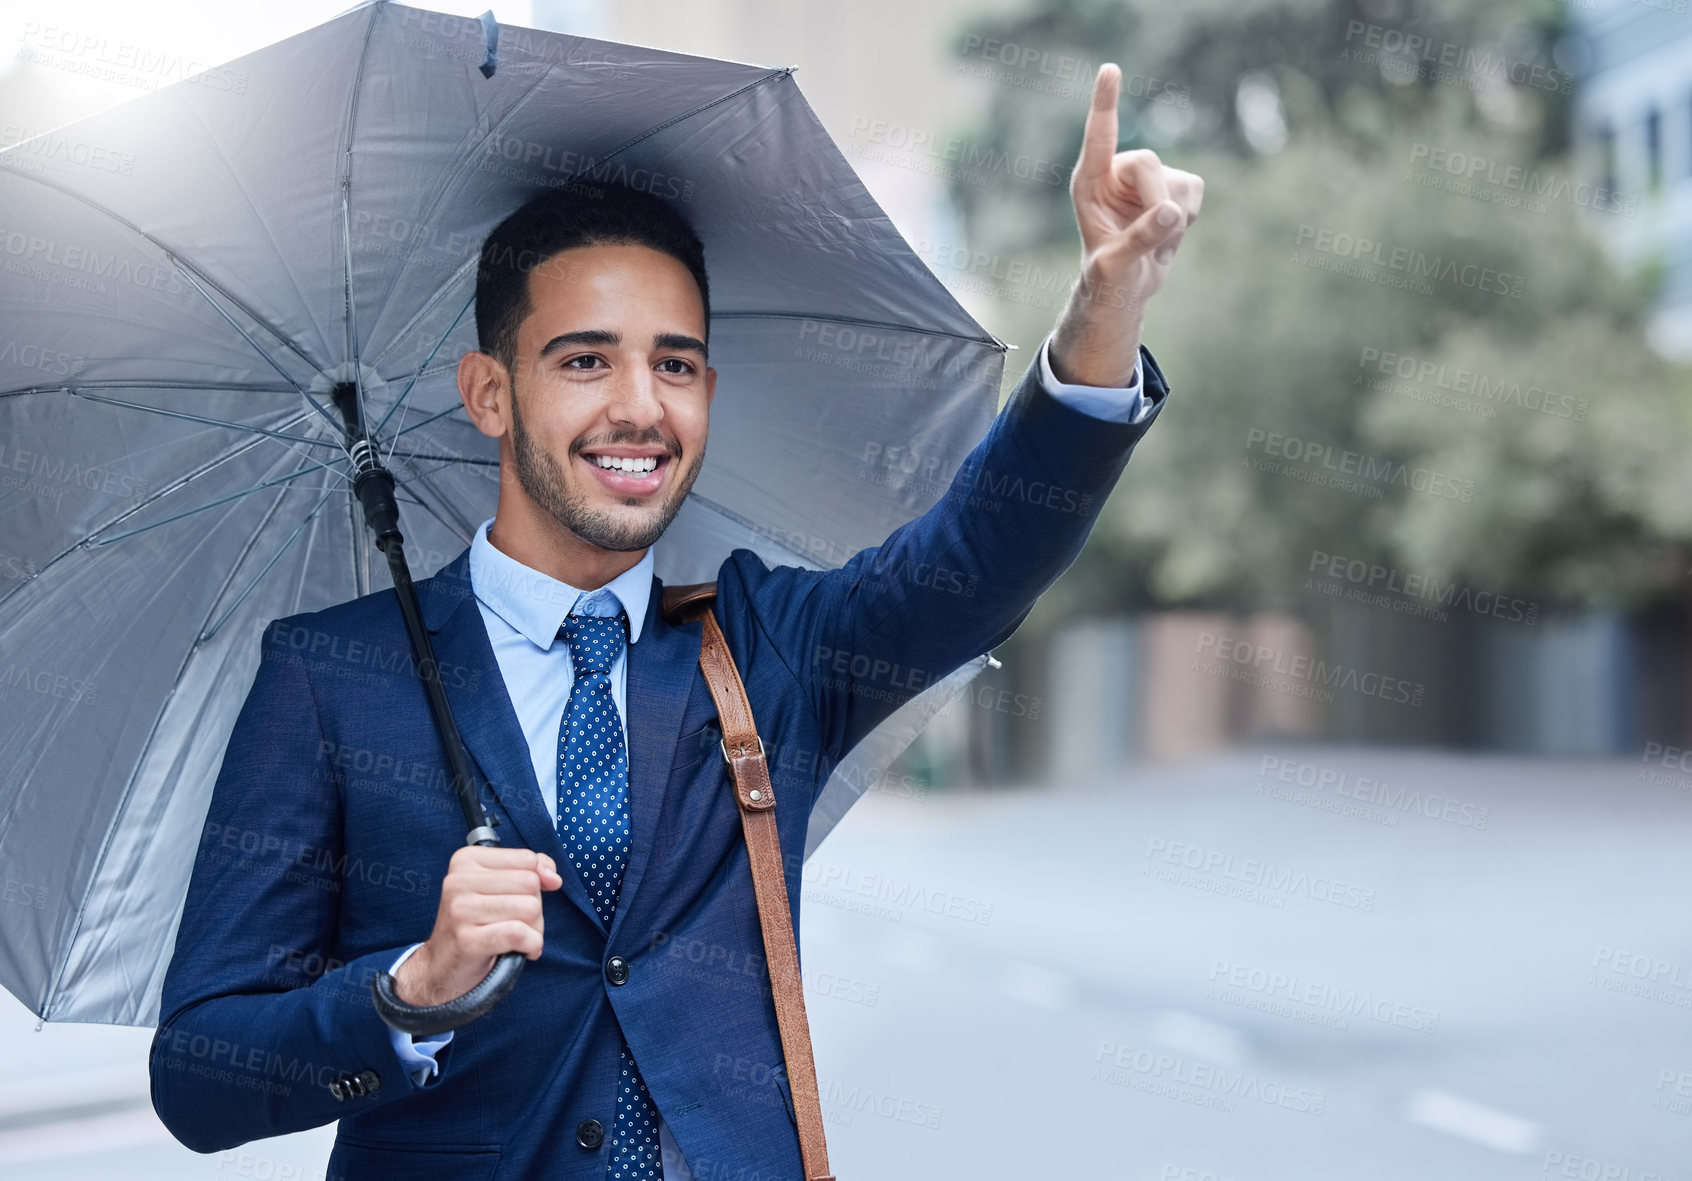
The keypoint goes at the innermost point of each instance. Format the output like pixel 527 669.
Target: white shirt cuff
pixel 1113 404
pixel 417 1057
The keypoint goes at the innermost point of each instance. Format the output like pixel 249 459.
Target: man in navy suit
pixel 333 849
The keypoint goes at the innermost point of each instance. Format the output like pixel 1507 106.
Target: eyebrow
pixel 600 336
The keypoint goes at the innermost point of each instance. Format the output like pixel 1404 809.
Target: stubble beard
pixel 539 475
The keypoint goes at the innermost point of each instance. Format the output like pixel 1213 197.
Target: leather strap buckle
pixel 722 745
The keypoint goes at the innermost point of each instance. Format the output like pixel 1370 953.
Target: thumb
pixel 548 872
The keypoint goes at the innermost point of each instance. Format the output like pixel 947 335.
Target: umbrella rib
pixel 211 631
pixel 746 523
pixel 206 420
pixel 422 422
pixel 180 482
pixel 458 528
pixel 428 214
pixel 92 543
pixel 189 270
pixel 350 327
pixel 406 394
pixel 134 384
pixel 152 732
pixel 432 458
pixel 772 76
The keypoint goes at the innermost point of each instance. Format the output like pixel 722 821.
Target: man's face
pixel 610 375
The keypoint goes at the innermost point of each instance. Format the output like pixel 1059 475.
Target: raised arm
pixel 862 640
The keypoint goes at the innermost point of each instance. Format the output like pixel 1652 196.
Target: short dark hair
pixel 561 219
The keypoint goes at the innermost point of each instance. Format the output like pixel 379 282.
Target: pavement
pixel 1308 962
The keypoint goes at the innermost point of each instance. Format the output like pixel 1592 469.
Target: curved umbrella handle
pixel 460 1010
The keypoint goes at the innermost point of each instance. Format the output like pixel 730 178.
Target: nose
pixel 633 399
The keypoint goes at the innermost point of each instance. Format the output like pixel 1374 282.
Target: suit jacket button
pixel 338 1089
pixel 590 1133
pixel 617 970
pixel 370 1081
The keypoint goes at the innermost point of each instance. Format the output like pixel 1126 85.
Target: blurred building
pixel 1633 136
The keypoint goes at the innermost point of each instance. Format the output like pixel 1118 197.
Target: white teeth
pixel 631 466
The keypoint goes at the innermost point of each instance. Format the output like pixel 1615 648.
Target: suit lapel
pixel 482 709
pixel 660 674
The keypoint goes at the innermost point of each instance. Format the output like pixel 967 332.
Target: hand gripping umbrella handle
pixel 460 1010
pixel 373 486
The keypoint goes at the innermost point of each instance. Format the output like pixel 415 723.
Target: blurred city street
pixel 1414 965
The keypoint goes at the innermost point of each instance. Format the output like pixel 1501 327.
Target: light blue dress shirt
pixel 523 610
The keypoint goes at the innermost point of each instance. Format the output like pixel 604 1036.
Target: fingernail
pixel 1166 255
pixel 1168 215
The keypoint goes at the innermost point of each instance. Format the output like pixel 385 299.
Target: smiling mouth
pixel 629 475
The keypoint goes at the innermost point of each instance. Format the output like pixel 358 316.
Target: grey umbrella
pixel 188 282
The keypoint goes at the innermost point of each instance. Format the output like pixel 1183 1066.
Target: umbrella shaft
pixel 428 670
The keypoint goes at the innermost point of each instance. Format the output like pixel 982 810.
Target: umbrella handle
pixel 460 1010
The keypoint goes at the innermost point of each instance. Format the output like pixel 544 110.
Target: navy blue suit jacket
pixel 331 825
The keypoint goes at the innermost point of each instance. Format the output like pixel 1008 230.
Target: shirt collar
pixel 534 603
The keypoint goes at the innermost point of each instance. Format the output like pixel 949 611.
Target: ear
pixel 710 386
pixel 485 387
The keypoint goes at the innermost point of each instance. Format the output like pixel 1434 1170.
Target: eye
pixel 571 363
pixel 686 366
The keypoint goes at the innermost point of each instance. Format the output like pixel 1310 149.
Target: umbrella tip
pixel 490 30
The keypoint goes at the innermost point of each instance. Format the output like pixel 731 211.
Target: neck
pixel 522 530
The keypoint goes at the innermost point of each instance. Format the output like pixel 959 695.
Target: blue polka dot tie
pixel 593 825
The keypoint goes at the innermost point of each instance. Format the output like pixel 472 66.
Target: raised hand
pixel 1132 211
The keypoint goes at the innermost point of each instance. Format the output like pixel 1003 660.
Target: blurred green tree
pixel 1359 284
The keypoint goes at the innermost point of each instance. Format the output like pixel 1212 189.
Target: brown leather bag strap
pixel 744 751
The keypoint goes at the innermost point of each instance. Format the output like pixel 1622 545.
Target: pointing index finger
pixel 1098 137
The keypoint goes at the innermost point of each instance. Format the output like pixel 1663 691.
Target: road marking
pixel 1467 1120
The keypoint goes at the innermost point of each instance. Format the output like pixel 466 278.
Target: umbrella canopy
pixel 185 278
